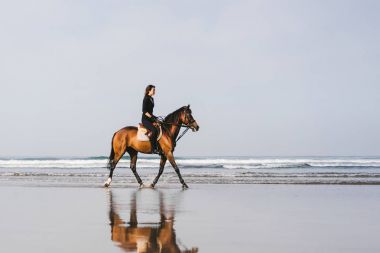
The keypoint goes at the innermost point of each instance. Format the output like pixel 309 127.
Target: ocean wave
pixel 208 163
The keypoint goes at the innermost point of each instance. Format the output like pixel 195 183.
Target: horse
pixel 125 140
pixel 153 237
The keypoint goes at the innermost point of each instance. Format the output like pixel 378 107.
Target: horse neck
pixel 174 130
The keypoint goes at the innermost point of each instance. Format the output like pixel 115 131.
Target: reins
pixel 183 133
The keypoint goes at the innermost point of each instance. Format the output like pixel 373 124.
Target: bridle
pixel 187 126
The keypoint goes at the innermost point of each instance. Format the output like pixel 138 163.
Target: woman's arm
pixel 151 117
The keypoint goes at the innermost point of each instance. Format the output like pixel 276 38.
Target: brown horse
pixel 125 140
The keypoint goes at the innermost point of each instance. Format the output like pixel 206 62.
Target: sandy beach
pixel 205 218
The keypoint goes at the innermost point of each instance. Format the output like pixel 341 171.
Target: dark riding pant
pixel 149 125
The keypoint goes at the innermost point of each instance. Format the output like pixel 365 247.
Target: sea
pixel 92 171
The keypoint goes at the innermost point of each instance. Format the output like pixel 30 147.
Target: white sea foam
pixel 228 163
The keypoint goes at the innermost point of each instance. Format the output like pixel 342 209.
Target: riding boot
pixel 158 149
pixel 153 143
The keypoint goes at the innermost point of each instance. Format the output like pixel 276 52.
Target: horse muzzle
pixel 195 127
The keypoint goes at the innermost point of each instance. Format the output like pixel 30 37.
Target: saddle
pixel 144 134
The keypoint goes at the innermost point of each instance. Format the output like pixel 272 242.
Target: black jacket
pixel 148 105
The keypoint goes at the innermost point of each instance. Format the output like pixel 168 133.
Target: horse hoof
pixel 152 186
pixel 184 186
pixel 107 183
pixel 141 186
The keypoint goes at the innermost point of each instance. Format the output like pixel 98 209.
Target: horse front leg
pixel 174 164
pixel 162 165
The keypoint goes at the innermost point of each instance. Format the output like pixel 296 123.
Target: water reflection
pixel 152 236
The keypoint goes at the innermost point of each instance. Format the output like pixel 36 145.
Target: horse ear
pixel 188 106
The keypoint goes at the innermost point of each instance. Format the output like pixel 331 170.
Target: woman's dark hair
pixel 148 88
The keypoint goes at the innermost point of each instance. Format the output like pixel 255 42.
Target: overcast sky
pixel 262 77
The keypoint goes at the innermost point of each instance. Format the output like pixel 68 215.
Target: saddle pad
pixel 141 134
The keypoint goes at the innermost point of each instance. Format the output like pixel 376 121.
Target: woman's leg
pixel 153 139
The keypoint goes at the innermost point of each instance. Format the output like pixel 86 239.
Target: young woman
pixel 147 117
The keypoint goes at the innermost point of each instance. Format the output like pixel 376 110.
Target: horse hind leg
pixel 112 165
pixel 133 154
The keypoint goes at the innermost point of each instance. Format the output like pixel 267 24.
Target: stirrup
pixel 157 151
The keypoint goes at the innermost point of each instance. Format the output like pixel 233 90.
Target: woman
pixel 148 118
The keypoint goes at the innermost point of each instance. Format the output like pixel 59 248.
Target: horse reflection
pixel 156 237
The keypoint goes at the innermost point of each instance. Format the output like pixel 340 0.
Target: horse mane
pixel 174 116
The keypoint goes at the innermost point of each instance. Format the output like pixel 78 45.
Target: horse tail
pixel 112 155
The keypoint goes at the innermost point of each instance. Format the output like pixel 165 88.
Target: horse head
pixel 188 119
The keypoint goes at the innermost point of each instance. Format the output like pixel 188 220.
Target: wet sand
pixel 205 218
